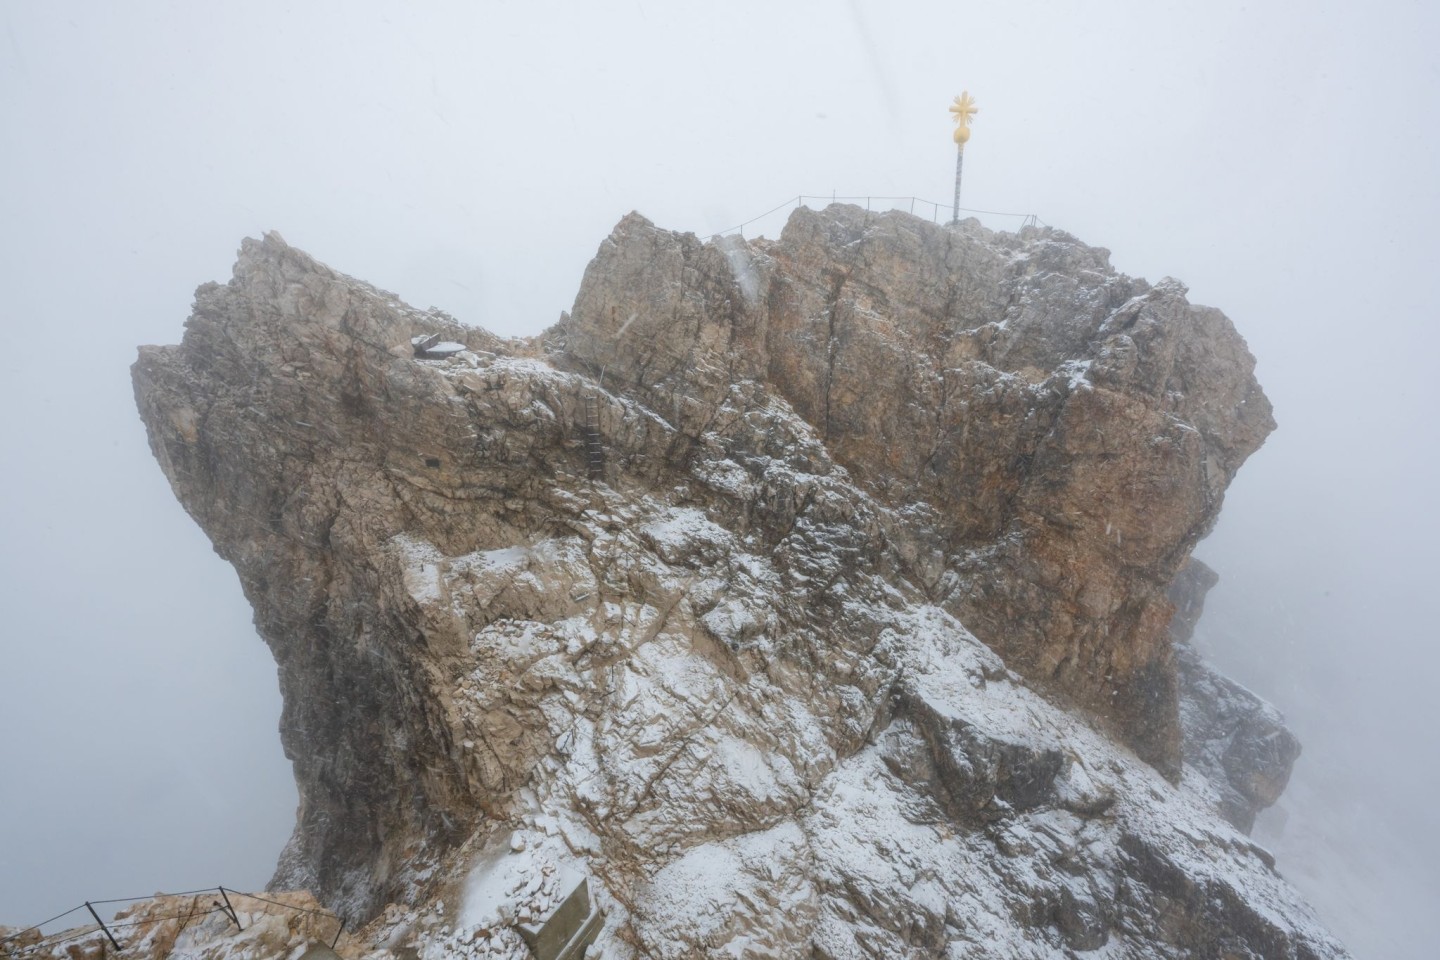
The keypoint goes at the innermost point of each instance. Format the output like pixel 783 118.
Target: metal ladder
pixel 594 451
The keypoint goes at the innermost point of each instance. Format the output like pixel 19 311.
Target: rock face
pixel 1062 433
pixel 728 679
pixel 1236 739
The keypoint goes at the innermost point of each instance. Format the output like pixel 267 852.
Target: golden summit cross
pixel 961 110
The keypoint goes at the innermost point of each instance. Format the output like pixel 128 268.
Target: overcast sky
pixel 1280 158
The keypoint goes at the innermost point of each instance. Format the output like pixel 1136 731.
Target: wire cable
pixel 322 913
pixel 42 923
pixel 178 893
pixel 801 199
pixel 739 226
pixel 47 943
pixel 178 916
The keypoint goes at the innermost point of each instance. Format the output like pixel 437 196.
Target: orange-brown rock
pixel 1065 431
pixel 665 598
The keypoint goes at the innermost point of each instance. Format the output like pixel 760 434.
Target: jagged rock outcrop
pixel 730 679
pixel 1065 431
pixel 1237 740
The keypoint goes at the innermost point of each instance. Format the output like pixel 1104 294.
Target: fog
pixel 1280 159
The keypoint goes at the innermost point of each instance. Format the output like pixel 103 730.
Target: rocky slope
pixel 676 595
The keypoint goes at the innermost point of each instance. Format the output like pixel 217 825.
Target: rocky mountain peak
pixel 1068 431
pixel 807 596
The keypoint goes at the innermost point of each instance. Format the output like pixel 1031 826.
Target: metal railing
pixel 909 204
pixel 223 905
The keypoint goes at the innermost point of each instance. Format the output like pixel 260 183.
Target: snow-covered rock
pixel 729 681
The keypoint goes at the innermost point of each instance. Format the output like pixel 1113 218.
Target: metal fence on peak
pixel 220 902
pixel 918 206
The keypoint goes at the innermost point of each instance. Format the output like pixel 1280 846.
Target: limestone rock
pixel 1067 431
pixel 728 680
pixel 1234 738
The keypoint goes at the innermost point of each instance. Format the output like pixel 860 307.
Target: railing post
pixel 229 908
pixel 108 934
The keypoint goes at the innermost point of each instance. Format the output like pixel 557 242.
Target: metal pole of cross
pixel 962 110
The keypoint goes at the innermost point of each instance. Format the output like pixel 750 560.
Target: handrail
pixel 1027 219
pixel 48 940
